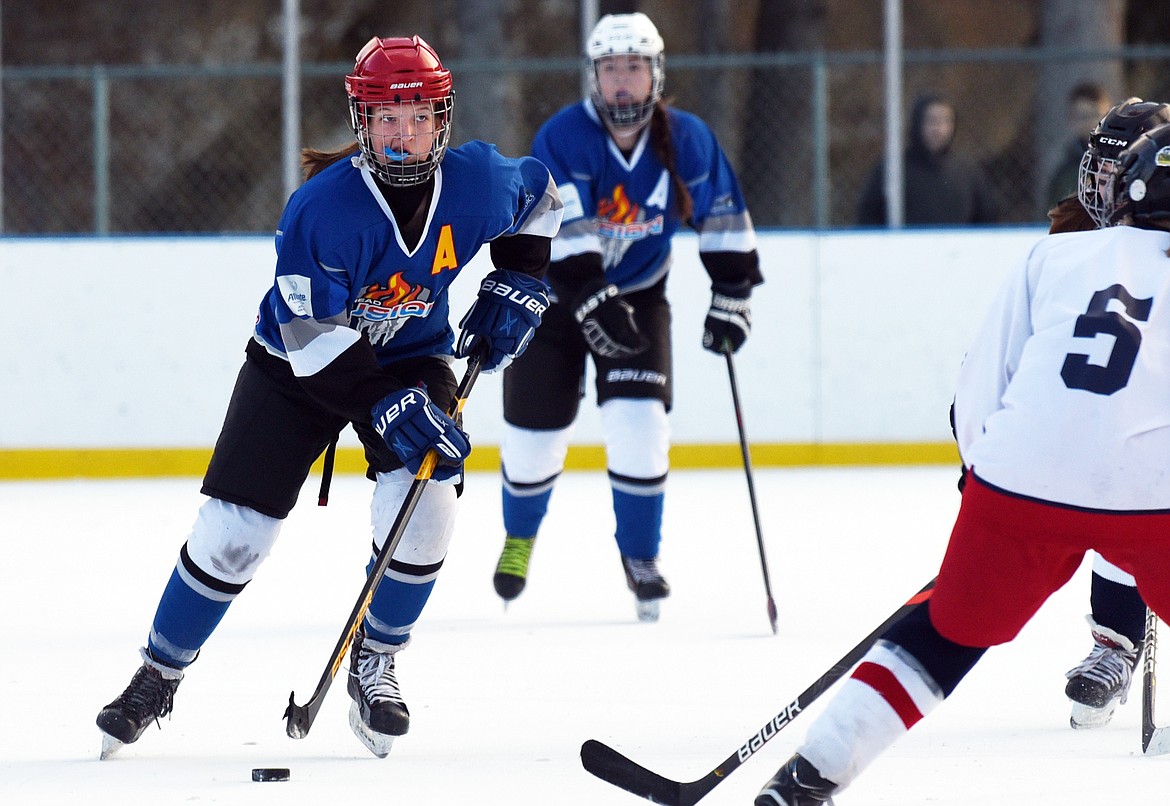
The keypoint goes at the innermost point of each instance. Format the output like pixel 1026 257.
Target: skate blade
pixel 377 743
pixel 1086 717
pixel 648 609
pixel 110 745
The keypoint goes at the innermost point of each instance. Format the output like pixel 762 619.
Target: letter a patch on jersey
pixel 445 252
pixel 661 194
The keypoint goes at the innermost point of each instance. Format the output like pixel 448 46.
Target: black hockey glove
pixel 607 322
pixel 729 320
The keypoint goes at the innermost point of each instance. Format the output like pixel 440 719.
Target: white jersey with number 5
pixel 1065 395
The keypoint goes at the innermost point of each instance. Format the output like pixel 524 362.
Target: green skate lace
pixel 514 557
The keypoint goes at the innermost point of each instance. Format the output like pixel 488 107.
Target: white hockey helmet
pixel 626 34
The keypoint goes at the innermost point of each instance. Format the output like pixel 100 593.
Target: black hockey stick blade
pixel 1157 743
pixel 299 718
pixel 1155 740
pixel 612 767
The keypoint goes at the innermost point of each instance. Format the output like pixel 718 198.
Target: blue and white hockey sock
pixel 410 577
pixel 525 505
pixel 399 600
pixel 229 538
pixel 192 605
pixel 637 507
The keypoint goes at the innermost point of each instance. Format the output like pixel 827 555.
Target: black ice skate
pixel 797 783
pixel 1099 683
pixel 512 569
pixel 150 695
pixel 378 713
pixel 646 582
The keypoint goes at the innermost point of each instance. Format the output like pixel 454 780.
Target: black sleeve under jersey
pixel 528 254
pixel 573 275
pixel 352 383
pixel 733 268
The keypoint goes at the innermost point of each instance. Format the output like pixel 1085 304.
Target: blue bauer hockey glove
pixel 503 318
pixel 412 425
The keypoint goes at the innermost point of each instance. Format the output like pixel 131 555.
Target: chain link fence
pixel 129 150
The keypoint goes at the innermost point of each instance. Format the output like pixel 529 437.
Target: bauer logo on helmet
pixel 400 100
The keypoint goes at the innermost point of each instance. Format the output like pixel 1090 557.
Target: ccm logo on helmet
pixel 1112 141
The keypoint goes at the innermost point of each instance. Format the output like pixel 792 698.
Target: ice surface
pixel 501 700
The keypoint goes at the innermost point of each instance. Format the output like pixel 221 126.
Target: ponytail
pixel 314 162
pixel 1069 215
pixel 660 141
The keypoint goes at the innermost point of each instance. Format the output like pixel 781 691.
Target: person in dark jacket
pixel 1087 104
pixel 940 186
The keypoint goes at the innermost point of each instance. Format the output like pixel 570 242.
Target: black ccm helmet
pixel 1121 126
pixel 1141 187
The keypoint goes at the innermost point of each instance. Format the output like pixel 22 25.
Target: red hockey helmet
pixel 400 71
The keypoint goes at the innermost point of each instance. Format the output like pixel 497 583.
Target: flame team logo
pixel 380 312
pixel 620 221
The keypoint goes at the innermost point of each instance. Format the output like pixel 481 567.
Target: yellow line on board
pixel 150 462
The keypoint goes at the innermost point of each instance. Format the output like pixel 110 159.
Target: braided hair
pixel 661 142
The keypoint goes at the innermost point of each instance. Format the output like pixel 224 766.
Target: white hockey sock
pixel 886 695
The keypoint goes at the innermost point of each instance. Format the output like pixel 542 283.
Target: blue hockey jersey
pixel 343 269
pixel 623 208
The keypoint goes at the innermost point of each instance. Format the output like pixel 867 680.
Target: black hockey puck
pixel 262 774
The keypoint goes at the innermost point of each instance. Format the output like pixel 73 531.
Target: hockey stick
pixel 612 767
pixel 747 468
pixel 1155 740
pixel 300 717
